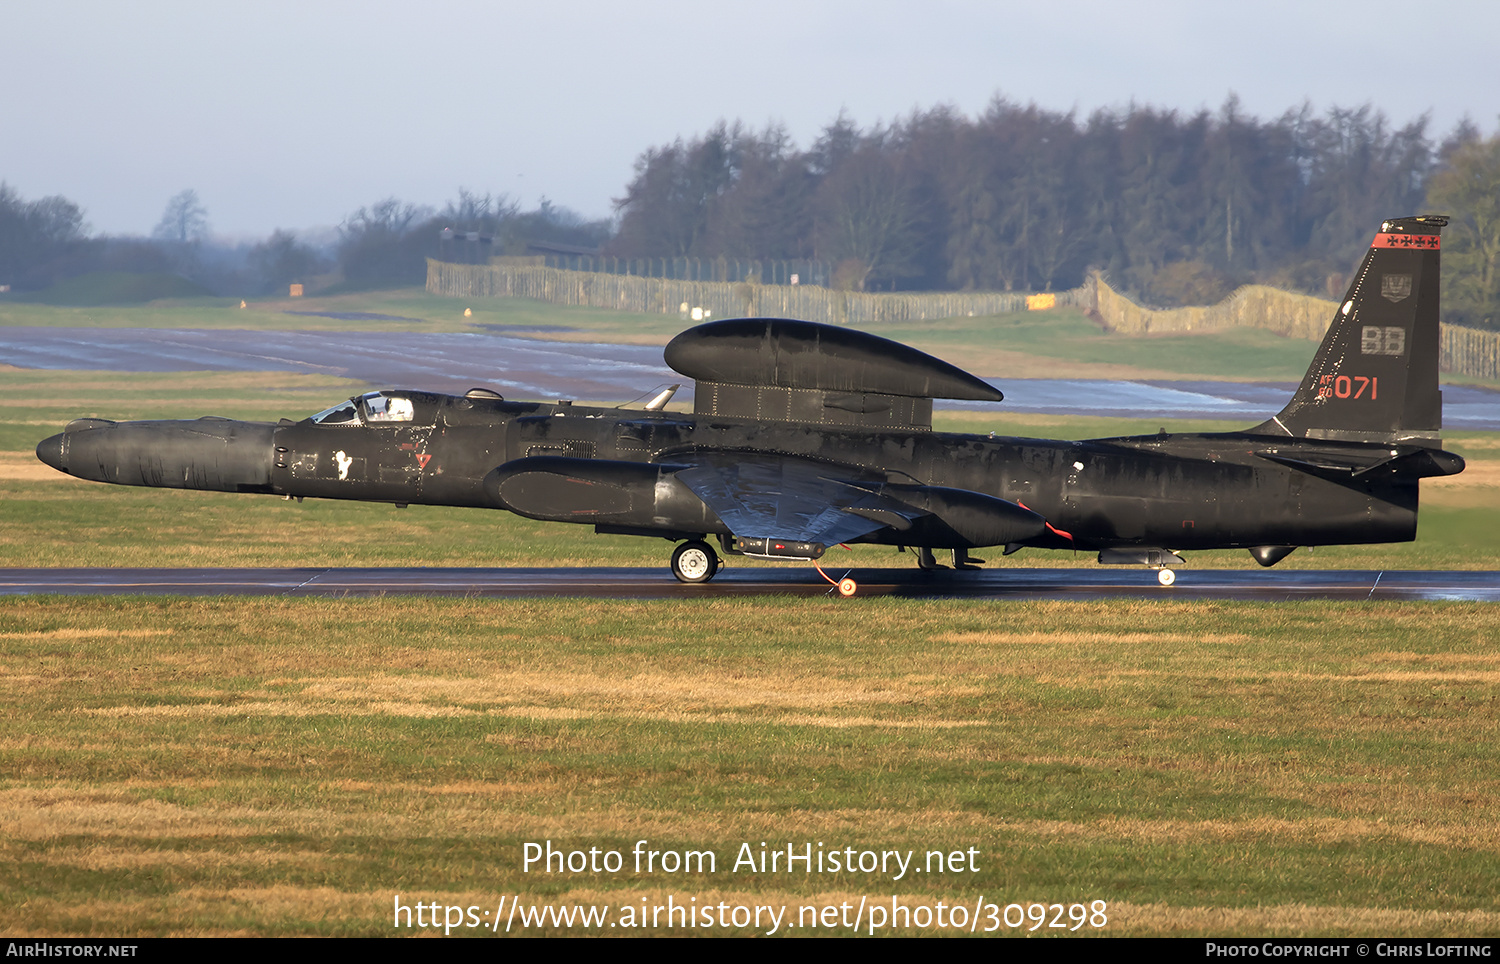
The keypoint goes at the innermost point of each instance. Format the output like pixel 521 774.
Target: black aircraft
pixel 805 436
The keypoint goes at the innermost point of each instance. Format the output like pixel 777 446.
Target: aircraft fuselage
pixel 1176 491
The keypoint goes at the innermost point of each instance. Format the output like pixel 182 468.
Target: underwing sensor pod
pixel 805 436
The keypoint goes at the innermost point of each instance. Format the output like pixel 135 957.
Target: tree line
pixel 384 244
pixel 1175 208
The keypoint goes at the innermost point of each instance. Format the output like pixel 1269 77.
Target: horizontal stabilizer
pixel 1408 461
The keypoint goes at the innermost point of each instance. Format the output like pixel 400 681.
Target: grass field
pixel 291 766
pixel 410 309
pixel 111 288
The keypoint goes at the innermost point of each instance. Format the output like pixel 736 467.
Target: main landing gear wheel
pixel 695 561
pixel 1166 577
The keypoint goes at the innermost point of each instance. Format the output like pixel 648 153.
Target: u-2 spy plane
pixel 805 436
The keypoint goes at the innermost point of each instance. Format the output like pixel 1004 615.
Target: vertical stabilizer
pixel 1375 377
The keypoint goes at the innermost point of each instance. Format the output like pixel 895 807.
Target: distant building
pixel 465 247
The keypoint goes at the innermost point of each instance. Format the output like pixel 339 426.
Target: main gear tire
pixel 694 562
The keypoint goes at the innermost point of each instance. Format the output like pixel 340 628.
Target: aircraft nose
pixel 51 451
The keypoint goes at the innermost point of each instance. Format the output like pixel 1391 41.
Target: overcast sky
pixel 294 114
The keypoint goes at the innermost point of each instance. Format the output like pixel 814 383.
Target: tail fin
pixel 1375 377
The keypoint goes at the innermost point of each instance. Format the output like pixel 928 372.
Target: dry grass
pixel 1477 486
pixel 24 467
pixel 1076 639
pixel 1297 920
pixel 285 766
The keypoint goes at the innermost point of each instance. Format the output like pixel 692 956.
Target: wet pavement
pixel 530 368
pixel 1012 584
pixel 441 362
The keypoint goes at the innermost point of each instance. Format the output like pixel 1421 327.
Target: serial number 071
pixel 1056 915
pixel 1342 386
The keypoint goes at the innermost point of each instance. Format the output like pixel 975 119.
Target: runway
pixel 621 583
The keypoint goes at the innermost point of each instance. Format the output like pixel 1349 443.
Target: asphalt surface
pixel 529 368
pixel 1102 583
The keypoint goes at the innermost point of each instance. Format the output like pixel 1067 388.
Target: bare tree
pixel 1025 198
pixel 280 260
pixel 667 206
pixel 184 221
pixel 1468 188
pixel 34 234
pixel 382 244
pixel 479 212
pixel 867 222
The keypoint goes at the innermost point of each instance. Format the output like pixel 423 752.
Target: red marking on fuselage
pixel 1410 242
pixel 1050 527
pixel 422 459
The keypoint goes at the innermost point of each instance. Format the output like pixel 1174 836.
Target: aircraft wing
pixel 791 507
pixel 788 506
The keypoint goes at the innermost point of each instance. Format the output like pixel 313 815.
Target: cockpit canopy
pixel 371 408
pixel 386 408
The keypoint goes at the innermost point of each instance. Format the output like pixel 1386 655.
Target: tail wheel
pixel 695 561
pixel 1166 577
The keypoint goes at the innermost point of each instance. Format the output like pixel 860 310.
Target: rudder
pixel 1375 376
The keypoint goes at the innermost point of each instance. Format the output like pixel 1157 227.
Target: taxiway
pixel 629 583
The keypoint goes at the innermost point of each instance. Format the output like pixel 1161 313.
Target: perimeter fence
pixel 719 299
pixel 728 270
pixel 1464 351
